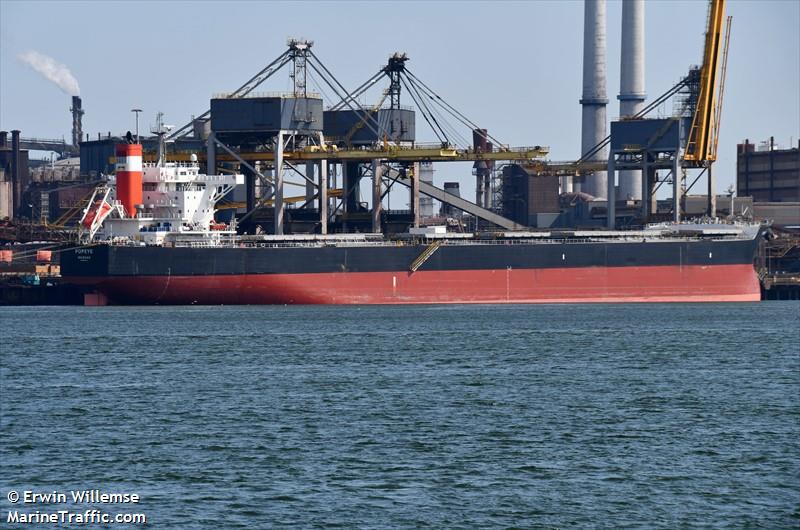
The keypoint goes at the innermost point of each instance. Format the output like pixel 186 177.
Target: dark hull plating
pixel 687 270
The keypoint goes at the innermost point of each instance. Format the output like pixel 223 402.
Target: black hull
pixel 104 260
pixel 498 272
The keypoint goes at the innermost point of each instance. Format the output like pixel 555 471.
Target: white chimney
pixel 631 83
pixel 594 98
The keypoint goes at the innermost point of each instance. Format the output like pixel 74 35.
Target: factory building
pixel 530 200
pixel 15 175
pixel 331 150
pixel 767 173
pixel 771 176
pixel 97 156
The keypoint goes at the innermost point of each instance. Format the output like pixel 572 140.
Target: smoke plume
pixel 52 70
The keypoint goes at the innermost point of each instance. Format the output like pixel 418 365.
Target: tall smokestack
pixel 631 83
pixel 594 98
pixel 16 184
pixel 77 118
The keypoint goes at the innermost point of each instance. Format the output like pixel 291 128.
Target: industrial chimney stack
pixel 77 118
pixel 631 84
pixel 594 99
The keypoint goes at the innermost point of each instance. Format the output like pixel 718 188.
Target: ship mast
pixel 161 131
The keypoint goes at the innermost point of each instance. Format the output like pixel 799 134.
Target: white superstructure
pixel 176 200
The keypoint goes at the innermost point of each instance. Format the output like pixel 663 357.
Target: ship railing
pixel 151 217
pixel 230 179
pixel 562 240
pixel 161 203
pixel 167 165
pixel 233 242
pixel 236 241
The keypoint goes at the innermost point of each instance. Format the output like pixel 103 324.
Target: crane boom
pixel 243 90
pixel 699 144
pixel 721 90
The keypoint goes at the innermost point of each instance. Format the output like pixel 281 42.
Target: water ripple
pixel 646 416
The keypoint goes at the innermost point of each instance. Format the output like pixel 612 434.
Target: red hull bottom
pixel 718 283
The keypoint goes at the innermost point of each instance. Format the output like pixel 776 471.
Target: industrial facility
pixel 342 151
pixel 276 139
pixel 771 176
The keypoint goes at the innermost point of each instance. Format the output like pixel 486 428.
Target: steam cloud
pixel 52 70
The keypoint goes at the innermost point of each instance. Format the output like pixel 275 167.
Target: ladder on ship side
pixel 429 251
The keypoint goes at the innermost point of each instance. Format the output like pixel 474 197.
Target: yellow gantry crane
pixel 701 145
pixel 417 153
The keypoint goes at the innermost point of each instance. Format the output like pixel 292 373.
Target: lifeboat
pixel 99 210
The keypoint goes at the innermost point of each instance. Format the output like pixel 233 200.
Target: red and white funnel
pixel 129 176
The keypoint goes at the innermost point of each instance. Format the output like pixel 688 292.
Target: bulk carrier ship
pixel 151 238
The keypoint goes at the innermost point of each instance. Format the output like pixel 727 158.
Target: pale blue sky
pixel 513 67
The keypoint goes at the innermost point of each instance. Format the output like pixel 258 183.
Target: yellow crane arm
pixel 712 155
pixel 698 146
